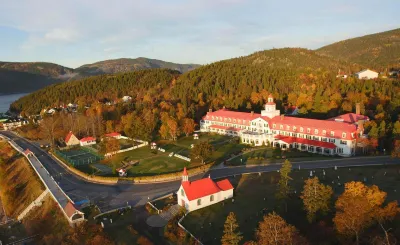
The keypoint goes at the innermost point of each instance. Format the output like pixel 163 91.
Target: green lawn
pixel 254 196
pixel 270 155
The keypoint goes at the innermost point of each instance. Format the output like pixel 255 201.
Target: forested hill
pixel 140 84
pixel 22 77
pixel 246 81
pixel 126 65
pixel 379 51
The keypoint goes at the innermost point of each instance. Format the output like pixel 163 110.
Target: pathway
pixel 161 220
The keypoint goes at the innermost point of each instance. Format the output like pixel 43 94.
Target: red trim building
pixel 335 136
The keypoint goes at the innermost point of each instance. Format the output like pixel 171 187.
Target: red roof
pixel 68 137
pixel 220 115
pixel 70 209
pixel 316 143
pixel 204 187
pixel 225 128
pixel 87 139
pixel 185 173
pixel 350 118
pixel 114 134
pixel 224 185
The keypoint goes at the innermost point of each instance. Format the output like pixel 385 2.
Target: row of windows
pixel 228 119
pixel 199 200
pixel 316 131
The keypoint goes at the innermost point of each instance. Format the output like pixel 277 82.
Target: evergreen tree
pixel 231 234
pixel 284 182
pixel 316 197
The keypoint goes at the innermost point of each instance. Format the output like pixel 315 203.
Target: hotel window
pixel 316 131
pixel 212 117
pixel 182 192
pixel 332 133
pixel 273 125
pixel 281 126
pixel 324 132
pixel 230 120
pixel 343 135
pixel 343 142
pixel 234 120
pixel 198 202
pixel 332 140
pixel 287 127
pixel 308 130
pixel 244 121
pixel 340 150
pixel 352 135
pixel 224 119
pixel 324 140
pixel 294 128
pixel 301 129
pixel 211 198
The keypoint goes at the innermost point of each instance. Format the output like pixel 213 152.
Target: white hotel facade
pixel 335 136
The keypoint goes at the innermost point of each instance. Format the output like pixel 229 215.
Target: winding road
pixel 108 197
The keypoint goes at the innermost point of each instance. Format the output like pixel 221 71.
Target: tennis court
pixel 79 156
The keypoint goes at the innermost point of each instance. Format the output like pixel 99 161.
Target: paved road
pixel 113 196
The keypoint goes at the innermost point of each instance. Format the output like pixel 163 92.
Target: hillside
pixel 23 82
pixel 88 90
pixel 380 50
pixel 40 68
pixel 127 65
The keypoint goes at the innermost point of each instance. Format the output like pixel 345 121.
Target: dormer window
pixel 352 135
pixel 301 129
pixel 343 135
pixel 273 125
pixel 234 120
pixel 308 130
pixel 212 117
pixel 316 131
pixel 230 120
pixel 332 133
pixel 287 127
pixel 324 132
pixel 239 121
pixel 281 126
pixel 294 128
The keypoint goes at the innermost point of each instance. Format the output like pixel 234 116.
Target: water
pixel 7 99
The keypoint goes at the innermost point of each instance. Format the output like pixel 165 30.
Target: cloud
pixel 62 35
pixel 112 49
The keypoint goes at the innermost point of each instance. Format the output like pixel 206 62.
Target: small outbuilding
pixel 71 139
pixel 87 141
pixel 366 74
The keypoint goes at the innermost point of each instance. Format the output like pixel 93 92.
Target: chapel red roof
pixel 185 173
pixel 204 187
pixel 316 143
pixel 114 134
pixel 68 137
pixel 87 139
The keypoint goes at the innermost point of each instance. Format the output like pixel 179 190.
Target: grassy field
pixel 270 155
pixel 255 196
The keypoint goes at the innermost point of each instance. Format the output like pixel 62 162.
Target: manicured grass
pixel 254 196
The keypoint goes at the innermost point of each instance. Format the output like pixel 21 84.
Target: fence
pixel 182 157
pixel 188 232
pixel 125 150
pixel 87 157
pixel 141 141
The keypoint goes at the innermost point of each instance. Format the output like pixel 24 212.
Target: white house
pixel 71 139
pixel 87 141
pixel 14 123
pixel 202 193
pixel 335 136
pixel 366 74
pixel 113 135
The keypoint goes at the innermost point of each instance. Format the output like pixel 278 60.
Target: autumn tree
pixel 396 149
pixel 359 207
pixel 188 125
pixel 201 151
pixel 50 128
pixel 231 234
pixel 273 230
pixel 316 197
pixel 111 145
pixel 284 182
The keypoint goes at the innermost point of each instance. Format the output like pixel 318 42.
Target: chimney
pixel 252 113
pixel 282 117
pixel 358 110
pixel 209 176
pixel 210 110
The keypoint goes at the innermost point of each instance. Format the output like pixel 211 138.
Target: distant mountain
pixel 127 65
pixel 24 77
pixel 380 50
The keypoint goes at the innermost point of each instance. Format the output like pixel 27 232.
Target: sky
pixel 77 32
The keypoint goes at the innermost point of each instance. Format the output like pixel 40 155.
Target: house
pixel 202 193
pixel 50 111
pixel 328 137
pixel 71 139
pixel 87 141
pixel 126 98
pixel 366 74
pixel 113 135
pixel 341 74
pixel 195 136
pixel 10 124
